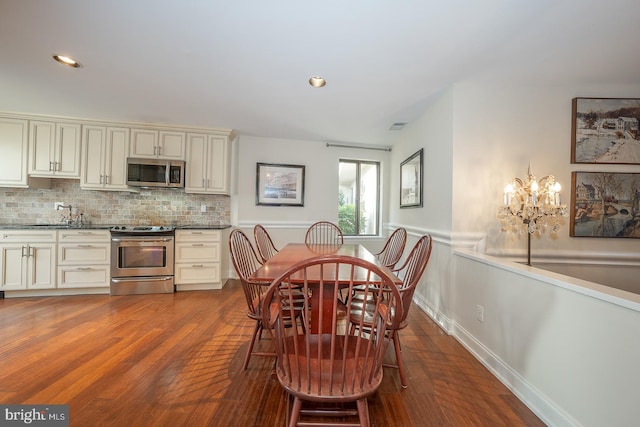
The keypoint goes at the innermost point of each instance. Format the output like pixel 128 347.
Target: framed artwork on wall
pixel 411 181
pixel 605 130
pixel 605 204
pixel 279 185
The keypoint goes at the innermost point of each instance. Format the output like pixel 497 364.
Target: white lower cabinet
pixel 27 260
pixel 198 259
pixel 84 259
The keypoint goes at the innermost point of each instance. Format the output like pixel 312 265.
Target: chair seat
pixel 322 383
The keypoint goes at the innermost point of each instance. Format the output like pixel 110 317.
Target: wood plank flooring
pixel 176 360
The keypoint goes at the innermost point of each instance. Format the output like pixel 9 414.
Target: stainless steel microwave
pixel 155 172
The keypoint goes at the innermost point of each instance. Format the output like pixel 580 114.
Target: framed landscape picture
pixel 411 181
pixel 605 130
pixel 279 185
pixel 605 204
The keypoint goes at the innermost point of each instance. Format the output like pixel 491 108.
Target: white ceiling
pixel 244 64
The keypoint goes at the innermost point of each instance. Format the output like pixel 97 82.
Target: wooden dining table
pixel 293 253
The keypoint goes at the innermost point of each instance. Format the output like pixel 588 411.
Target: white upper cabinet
pixel 54 149
pixel 13 145
pixel 104 159
pixel 208 164
pixel 157 144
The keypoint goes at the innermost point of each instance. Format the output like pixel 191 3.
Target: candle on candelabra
pixel 556 189
pixel 534 193
pixel 508 190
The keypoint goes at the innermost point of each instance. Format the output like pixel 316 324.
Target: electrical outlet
pixel 479 313
pixel 203 208
pixel 56 204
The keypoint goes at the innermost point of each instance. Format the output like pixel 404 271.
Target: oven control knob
pixel 124 228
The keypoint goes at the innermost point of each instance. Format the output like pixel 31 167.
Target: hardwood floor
pixel 176 360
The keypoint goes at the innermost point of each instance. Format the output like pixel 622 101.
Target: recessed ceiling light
pixel 68 61
pixel 317 81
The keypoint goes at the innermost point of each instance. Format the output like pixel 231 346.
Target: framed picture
pixel 279 185
pixel 605 204
pixel 605 130
pixel 411 181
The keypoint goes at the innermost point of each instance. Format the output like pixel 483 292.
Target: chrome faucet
pixel 68 219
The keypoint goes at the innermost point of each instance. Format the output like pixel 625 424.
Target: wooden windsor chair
pixel 325 371
pixel 393 248
pixel 410 272
pixel 324 232
pixel 264 244
pixel 246 261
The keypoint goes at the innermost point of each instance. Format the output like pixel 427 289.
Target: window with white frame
pixel 359 197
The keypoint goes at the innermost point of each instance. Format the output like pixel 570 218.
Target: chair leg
pixel 295 412
pixel 256 330
pixel 363 412
pixel 398 348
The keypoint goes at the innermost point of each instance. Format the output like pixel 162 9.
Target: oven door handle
pixel 140 240
pixel 140 279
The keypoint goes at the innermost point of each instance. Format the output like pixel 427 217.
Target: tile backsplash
pixel 148 207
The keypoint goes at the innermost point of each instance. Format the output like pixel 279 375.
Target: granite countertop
pixel 100 227
pixel 53 227
pixel 202 227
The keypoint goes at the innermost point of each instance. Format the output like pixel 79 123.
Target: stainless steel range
pixel 142 259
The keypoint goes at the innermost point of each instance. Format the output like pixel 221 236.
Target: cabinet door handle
pixel 50 166
pixel 83 268
pixel 198 244
pixel 159 150
pixel 106 179
pixel 30 250
pixel 56 166
pixel 23 254
pixel 197 266
pixel 85 246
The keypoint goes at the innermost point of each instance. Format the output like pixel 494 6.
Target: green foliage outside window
pixel 347 217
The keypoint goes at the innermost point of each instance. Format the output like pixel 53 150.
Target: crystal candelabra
pixel 534 204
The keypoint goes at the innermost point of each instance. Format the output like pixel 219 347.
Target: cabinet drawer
pixel 188 274
pixel 83 253
pixel 84 277
pixel 103 236
pixel 198 235
pixel 197 252
pixel 26 236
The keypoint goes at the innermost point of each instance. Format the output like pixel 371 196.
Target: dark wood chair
pixel 327 371
pixel 393 248
pixel 264 244
pixel 246 261
pixel 324 232
pixel 410 272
